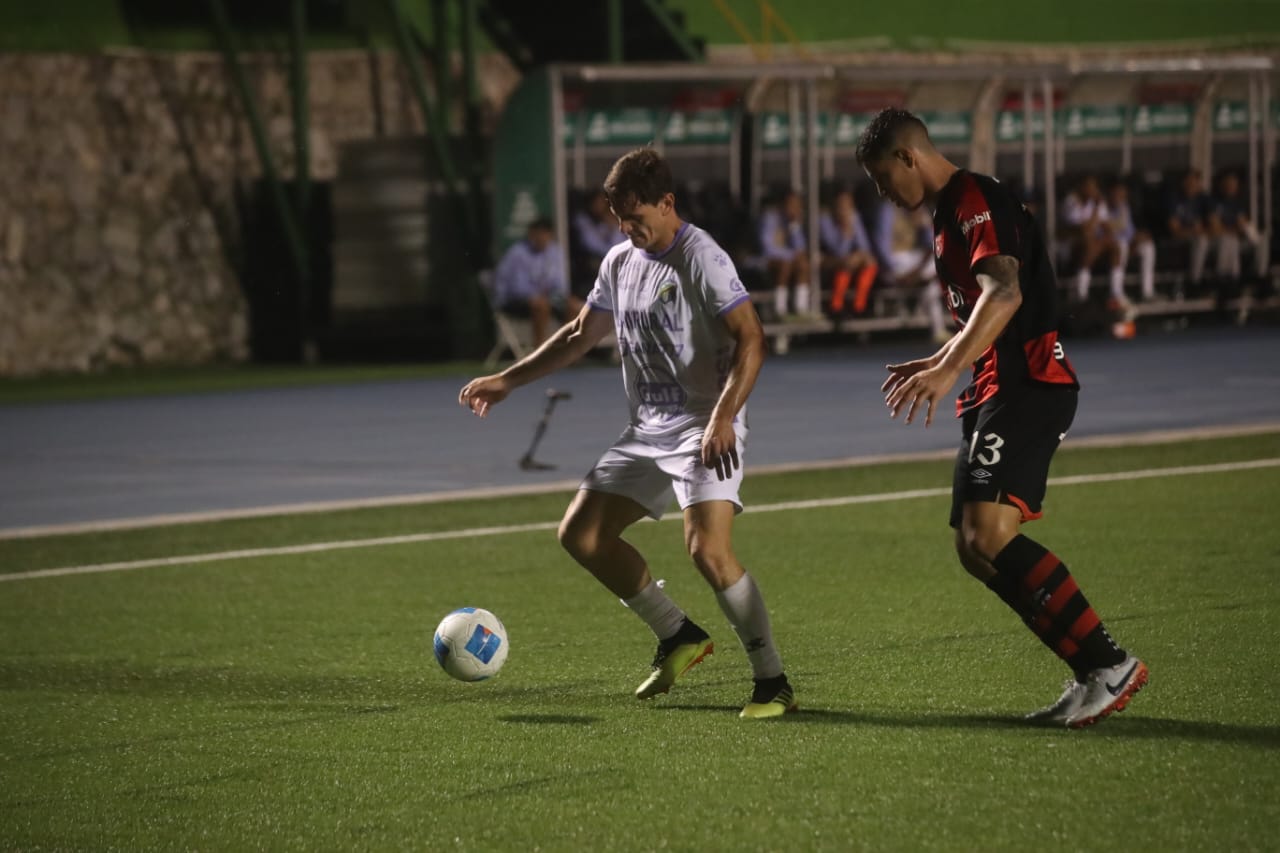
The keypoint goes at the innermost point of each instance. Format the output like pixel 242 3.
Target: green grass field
pixel 291 701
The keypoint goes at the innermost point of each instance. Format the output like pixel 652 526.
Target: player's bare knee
pixel 715 561
pixel 580 539
pixel 986 539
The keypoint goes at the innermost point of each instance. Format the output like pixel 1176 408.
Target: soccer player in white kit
pixel 691 347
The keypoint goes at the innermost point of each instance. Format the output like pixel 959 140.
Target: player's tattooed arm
pixel 1001 296
pixel 998 277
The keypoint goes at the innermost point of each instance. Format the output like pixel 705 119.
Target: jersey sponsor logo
pixel 974 221
pixel 640 348
pixel 650 321
pixel 658 390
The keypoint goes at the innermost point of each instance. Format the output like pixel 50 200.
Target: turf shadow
pixel 550 719
pixel 1138 727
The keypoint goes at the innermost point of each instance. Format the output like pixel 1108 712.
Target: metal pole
pixel 436 129
pixel 615 31
pixel 1126 142
pixel 1251 116
pixel 735 157
pixel 560 201
pixel 471 116
pixel 1050 177
pixel 678 35
pixel 288 222
pixel 302 163
pixel 1028 147
pixel 443 69
pixel 794 128
pixel 1268 155
pixel 757 164
pixel 579 155
pixel 811 144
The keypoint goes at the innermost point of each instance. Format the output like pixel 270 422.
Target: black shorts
pixel 1005 451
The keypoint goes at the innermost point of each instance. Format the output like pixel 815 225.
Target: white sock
pixel 1147 263
pixel 802 299
pixel 1117 283
pixel 744 607
pixel 658 611
pixel 1082 284
pixel 780 300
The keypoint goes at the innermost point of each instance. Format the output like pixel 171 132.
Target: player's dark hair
pixel 639 177
pixel 886 130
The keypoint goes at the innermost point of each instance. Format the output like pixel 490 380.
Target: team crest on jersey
pixel 937 245
pixel 668 293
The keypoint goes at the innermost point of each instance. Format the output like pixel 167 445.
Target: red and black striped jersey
pixel 976 217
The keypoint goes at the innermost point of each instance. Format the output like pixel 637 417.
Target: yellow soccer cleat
pixel 676 655
pixel 772 697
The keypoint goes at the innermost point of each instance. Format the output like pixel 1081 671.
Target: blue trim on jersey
pixel 594 307
pixel 734 304
pixel 674 242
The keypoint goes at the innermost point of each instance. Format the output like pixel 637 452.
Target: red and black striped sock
pixel 1040 589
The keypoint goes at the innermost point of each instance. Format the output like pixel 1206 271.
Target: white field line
pixel 478 532
pixel 164 519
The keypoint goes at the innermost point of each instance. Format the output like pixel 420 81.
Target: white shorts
pixel 649 470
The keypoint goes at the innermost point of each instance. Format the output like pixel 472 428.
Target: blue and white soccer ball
pixel 471 644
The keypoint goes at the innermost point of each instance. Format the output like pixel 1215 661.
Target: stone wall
pixel 118 178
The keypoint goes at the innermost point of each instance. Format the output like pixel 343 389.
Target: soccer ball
pixel 471 644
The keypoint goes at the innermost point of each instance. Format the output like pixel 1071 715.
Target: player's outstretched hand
pixel 899 373
pixel 479 395
pixel 921 388
pixel 720 449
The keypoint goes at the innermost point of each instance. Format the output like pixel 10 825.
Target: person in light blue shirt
pixel 595 228
pixel 786 251
pixel 530 280
pixel 595 232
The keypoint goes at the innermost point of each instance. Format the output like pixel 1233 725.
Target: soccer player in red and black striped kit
pixel 990 254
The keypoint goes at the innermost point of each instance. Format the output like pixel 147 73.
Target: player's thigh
pixel 1007 448
pixel 693 482
pixel 594 517
pixel 631 469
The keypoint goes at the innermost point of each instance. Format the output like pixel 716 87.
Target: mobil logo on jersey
pixel 974 221
pixel 657 389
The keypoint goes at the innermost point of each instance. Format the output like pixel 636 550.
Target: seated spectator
pixel 595 232
pixel 911 265
pixel 1230 226
pixel 1188 221
pixel 1087 225
pixel 846 253
pixel 786 252
pixel 530 280
pixel 1132 240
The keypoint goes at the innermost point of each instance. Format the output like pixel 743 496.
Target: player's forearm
pixel 747 360
pixel 991 314
pixel 560 350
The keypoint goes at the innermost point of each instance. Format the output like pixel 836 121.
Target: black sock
pixel 1051 603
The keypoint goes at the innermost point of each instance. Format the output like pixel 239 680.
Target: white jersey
pixel 676 349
